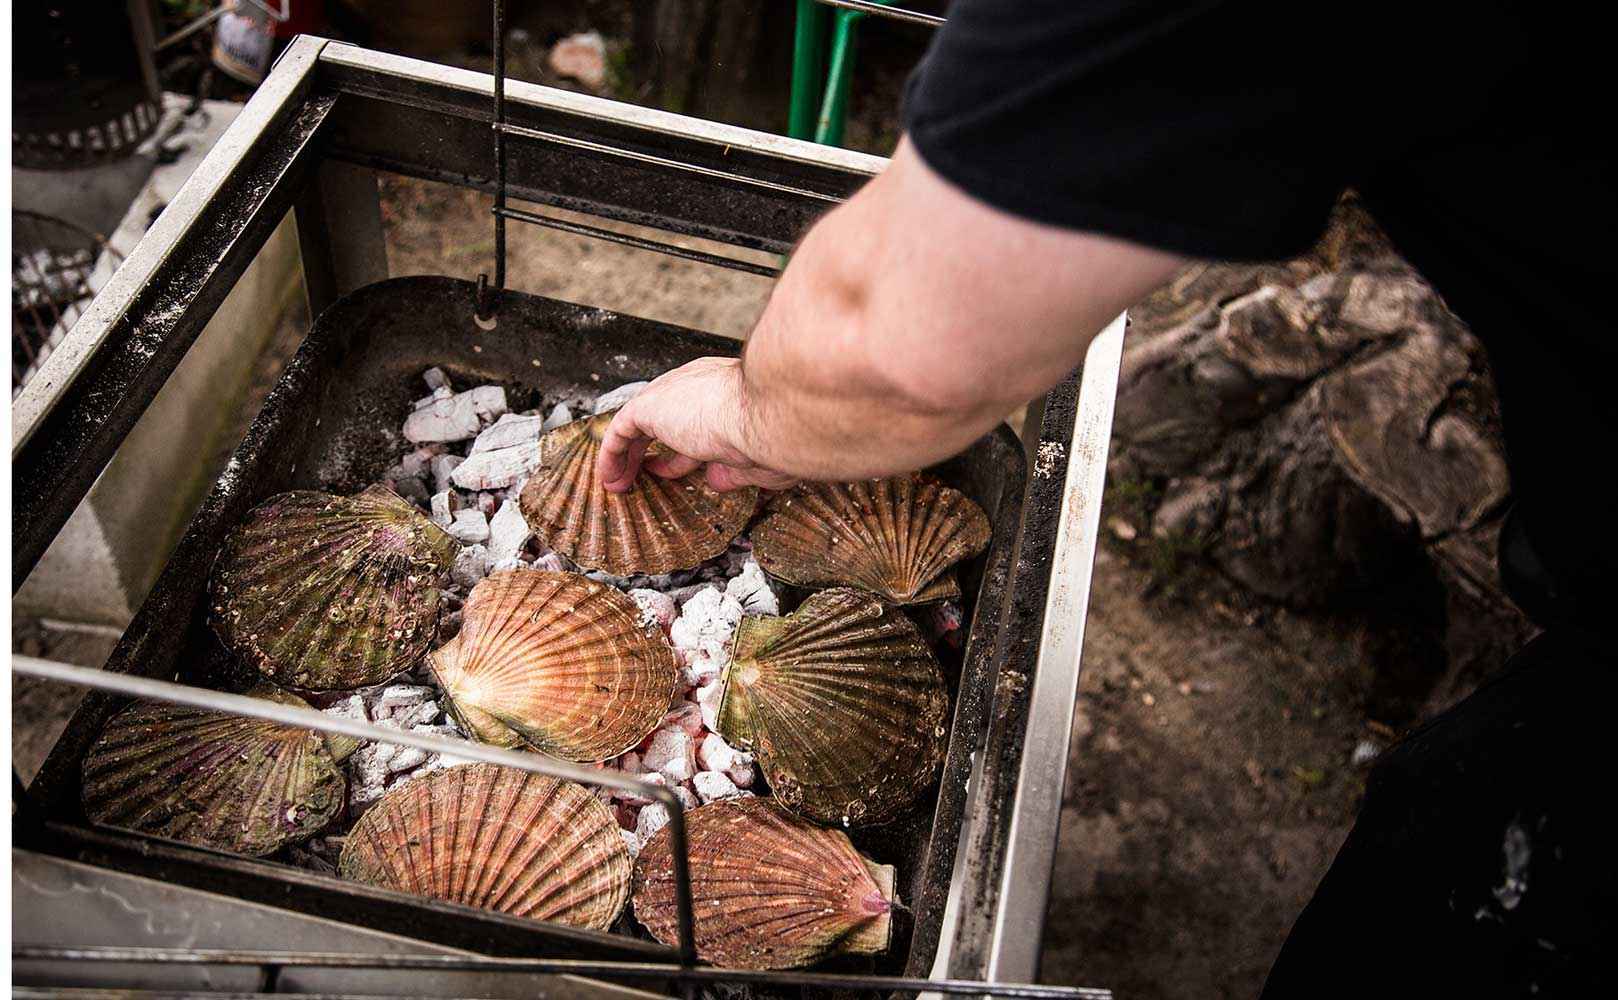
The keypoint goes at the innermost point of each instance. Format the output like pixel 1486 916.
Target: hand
pixel 696 413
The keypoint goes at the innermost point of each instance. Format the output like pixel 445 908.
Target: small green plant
pixel 1170 557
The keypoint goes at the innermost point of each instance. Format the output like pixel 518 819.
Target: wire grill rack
pixel 56 269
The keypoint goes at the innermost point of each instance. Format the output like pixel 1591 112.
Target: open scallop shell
pixel 497 838
pixel 659 526
pixel 323 592
pixel 770 891
pixel 844 704
pixel 895 537
pixel 557 661
pixel 243 785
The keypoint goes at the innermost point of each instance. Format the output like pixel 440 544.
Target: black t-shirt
pixel 1478 135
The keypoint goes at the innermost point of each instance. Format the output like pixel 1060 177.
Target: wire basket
pixel 56 269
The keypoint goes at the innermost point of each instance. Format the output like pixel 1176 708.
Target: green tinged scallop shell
pixel 769 890
pixel 844 704
pixel 323 592
pixel 557 661
pixel 495 838
pixel 895 537
pixel 658 526
pixel 248 786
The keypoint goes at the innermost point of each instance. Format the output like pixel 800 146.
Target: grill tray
pixel 332 423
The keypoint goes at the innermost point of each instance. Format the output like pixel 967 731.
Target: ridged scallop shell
pixel 894 537
pixel 242 785
pixel 323 592
pixel 844 704
pixel 496 838
pixel 769 890
pixel 659 526
pixel 558 661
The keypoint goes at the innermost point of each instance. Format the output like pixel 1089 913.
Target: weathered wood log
pixel 1321 428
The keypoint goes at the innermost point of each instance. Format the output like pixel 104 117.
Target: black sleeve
pixel 1202 128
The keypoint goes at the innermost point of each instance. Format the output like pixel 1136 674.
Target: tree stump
pixel 1326 432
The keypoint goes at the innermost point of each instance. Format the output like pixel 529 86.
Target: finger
pixel 622 448
pixel 725 478
pixel 672 466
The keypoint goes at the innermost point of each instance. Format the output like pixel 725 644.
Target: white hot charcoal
pixel 708 696
pixel 435 379
pixel 711 786
pixel 630 763
pixel 652 818
pixel 509 431
pixel 457 418
pixel 672 753
pixel 407 759
pixel 655 607
pixel 471 565
pixel 688 717
pixel 687 798
pixel 635 798
pixel 513 562
pixel 470 527
pixel 751 589
pixel 614 398
pixel 508 532
pixel 631 842
pixel 703 665
pixel 716 755
pixel 742 775
pixel 352 707
pixel 423 714
pixel 709 616
pixel 442 467
pixel 401 699
pixel 444 504
pixel 558 416
pixel 498 469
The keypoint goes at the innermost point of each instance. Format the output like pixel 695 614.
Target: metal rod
pixel 640 243
pixel 896 13
pixel 488 301
pixel 308 718
pixel 554 966
pixel 661 161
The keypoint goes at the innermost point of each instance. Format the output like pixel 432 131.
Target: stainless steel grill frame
pixel 330 115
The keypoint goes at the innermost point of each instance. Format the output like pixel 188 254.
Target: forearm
pixel 912 320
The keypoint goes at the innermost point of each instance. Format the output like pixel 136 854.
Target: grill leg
pixel 339 217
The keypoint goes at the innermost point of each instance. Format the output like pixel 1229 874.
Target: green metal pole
pixel 809 34
pixel 839 79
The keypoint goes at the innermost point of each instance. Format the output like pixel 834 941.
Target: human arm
pixel 910 321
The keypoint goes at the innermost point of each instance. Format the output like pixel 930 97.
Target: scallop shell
pixel 659 526
pixel 243 785
pixel 558 661
pixel 323 592
pixel 894 537
pixel 496 838
pixel 844 704
pixel 769 890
